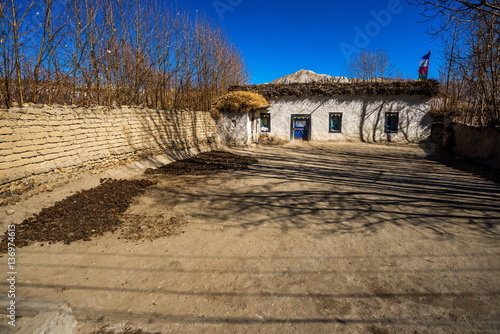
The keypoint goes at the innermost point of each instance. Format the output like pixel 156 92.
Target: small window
pixel 335 122
pixel 265 123
pixel 391 122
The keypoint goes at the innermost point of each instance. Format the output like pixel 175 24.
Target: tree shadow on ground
pixel 323 190
pixel 454 161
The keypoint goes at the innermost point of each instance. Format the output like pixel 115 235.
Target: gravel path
pixel 314 238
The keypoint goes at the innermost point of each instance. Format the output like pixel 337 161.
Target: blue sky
pixel 280 37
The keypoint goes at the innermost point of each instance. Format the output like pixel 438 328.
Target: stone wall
pixel 477 143
pixel 363 117
pixel 41 147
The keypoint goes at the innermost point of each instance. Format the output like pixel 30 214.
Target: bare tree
pixel 470 36
pixel 106 52
pixel 7 69
pixel 448 12
pixel 49 30
pixel 18 34
pixel 371 64
pixel 459 10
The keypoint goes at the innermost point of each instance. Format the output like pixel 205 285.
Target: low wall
pixel 41 147
pixel 477 143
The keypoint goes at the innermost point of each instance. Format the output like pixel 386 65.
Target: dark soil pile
pixel 93 212
pixel 205 163
pixel 81 216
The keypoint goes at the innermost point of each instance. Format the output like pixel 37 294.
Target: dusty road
pixel 315 238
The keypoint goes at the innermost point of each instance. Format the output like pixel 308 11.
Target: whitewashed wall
pixel 363 117
pixel 238 128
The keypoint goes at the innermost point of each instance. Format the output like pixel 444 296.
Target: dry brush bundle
pixel 238 101
pixel 427 88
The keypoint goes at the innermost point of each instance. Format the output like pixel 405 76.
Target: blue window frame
pixel 335 122
pixel 391 122
pixel 265 123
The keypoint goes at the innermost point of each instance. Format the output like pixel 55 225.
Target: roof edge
pixel 390 88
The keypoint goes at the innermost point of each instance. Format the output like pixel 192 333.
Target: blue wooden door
pixel 300 127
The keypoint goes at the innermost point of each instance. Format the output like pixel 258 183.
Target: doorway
pixel 301 127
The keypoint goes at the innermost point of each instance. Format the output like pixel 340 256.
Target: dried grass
pixel 239 101
pixel 269 140
pixel 270 91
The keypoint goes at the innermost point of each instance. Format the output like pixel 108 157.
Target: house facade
pixel 368 111
pixel 373 118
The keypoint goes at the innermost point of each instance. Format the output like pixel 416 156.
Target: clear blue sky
pixel 278 37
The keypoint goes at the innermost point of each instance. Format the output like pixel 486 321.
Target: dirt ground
pixel 92 212
pixel 314 238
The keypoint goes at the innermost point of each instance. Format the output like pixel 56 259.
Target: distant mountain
pixel 303 76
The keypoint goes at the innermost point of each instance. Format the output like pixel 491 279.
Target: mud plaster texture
pixel 479 144
pixel 315 238
pixel 363 117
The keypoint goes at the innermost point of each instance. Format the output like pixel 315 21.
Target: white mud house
pixel 238 117
pixel 340 109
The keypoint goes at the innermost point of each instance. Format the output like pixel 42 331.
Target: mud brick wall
pixel 477 143
pixel 42 147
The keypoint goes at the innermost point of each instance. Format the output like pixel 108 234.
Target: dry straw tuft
pixel 239 101
pixel 271 140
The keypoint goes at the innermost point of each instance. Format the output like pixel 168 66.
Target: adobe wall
pixel 477 143
pixel 42 147
pixel 238 129
pixel 234 129
pixel 363 117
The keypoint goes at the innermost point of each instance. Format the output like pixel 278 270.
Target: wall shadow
pixel 449 159
pixel 325 190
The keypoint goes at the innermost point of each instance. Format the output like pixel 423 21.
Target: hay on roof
pixel 271 91
pixel 239 101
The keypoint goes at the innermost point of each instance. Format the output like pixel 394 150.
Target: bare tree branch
pixel 371 64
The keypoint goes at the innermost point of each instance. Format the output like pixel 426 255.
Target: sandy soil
pixel 315 238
